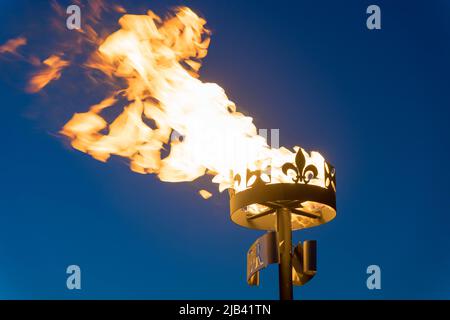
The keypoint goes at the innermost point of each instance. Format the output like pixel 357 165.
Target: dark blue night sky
pixel 374 103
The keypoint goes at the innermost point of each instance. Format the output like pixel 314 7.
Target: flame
pixel 205 194
pixel 159 60
pixel 51 70
pixel 119 9
pixel 12 45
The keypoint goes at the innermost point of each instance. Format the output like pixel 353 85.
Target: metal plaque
pixel 304 262
pixel 263 252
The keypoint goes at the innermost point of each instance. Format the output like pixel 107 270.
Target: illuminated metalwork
pixel 307 200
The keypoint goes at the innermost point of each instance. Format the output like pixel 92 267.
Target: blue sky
pixel 374 103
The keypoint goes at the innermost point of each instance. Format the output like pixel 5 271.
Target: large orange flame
pixel 159 61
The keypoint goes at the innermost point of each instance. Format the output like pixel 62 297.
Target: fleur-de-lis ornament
pixel 330 176
pixel 258 181
pixel 258 178
pixel 302 174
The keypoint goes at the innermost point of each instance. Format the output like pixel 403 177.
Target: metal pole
pixel 284 233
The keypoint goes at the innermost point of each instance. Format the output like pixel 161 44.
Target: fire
pixel 51 70
pixel 12 45
pixel 155 65
pixel 205 194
